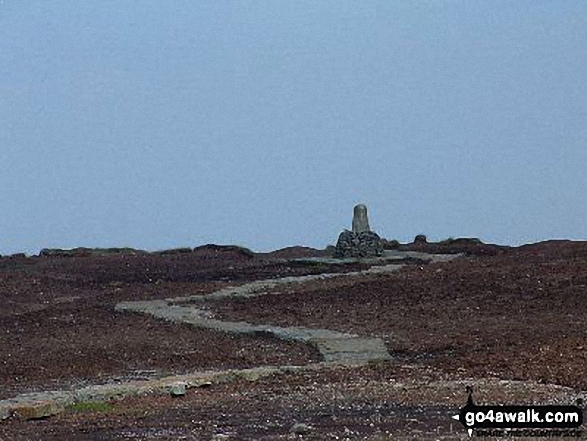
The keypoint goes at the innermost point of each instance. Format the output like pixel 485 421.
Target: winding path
pixel 335 347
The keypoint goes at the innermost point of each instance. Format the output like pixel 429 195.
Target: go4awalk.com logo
pixel 536 421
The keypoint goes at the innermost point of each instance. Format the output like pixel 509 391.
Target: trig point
pixel 360 219
pixel 361 241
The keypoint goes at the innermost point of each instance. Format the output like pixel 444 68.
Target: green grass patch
pixel 91 406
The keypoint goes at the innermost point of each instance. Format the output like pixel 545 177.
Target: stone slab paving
pixel 336 348
pixel 43 404
pixel 388 256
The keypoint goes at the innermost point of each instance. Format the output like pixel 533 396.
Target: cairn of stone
pixel 361 242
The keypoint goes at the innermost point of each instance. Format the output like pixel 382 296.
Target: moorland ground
pixel 512 322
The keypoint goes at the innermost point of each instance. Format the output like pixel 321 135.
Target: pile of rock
pixel 358 245
pixel 361 242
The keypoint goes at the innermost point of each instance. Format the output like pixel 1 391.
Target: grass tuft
pixel 91 406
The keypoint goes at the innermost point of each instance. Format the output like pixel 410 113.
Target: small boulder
pixel 420 238
pixel 390 244
pixel 5 412
pixel 300 429
pixel 177 390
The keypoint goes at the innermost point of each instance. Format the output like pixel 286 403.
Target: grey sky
pixel 157 124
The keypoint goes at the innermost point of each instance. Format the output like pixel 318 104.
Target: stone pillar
pixel 361 241
pixel 360 219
